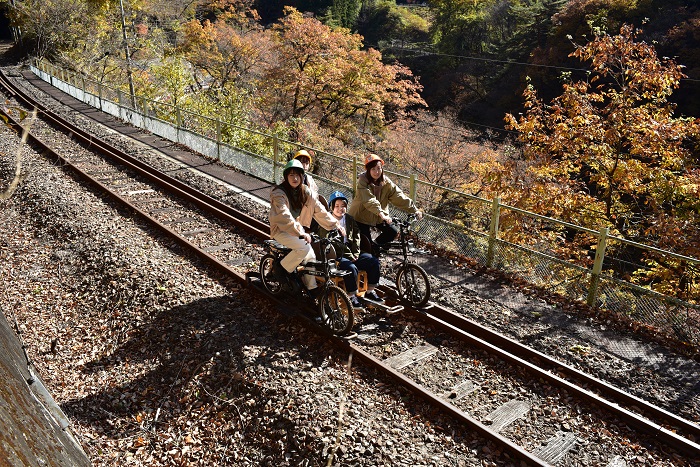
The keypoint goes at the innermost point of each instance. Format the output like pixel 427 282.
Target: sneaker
pixel 373 297
pixel 355 302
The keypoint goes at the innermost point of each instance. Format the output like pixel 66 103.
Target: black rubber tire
pixel 413 285
pixel 336 310
pixel 272 285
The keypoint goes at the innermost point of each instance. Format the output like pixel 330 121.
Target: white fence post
pixel 218 139
pixel 354 175
pixel 412 187
pixel 275 153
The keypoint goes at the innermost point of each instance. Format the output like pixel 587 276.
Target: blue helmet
pixel 334 196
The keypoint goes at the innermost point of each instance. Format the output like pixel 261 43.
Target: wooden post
pixel 493 230
pixel 597 266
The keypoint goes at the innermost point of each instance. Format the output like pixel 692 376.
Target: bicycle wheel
pixel 413 285
pixel 273 284
pixel 336 310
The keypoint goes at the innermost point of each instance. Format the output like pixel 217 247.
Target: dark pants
pixel 365 262
pixel 388 233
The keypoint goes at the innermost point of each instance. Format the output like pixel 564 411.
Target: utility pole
pixel 128 58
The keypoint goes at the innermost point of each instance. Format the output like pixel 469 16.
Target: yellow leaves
pixel 580 349
pixel 617 145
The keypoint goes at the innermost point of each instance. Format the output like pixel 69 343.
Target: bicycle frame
pixel 403 243
pixel 335 309
pixel 412 282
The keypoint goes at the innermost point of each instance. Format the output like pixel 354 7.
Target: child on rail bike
pixel 348 253
pixel 369 207
pixel 292 207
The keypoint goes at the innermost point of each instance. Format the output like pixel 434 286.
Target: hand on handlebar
pixel 385 218
pixel 419 215
pixel 306 237
pixel 341 231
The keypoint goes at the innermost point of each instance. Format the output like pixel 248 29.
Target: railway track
pixel 508 393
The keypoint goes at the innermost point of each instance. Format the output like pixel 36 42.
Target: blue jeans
pixel 367 263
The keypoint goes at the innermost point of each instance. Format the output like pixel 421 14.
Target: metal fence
pixel 489 232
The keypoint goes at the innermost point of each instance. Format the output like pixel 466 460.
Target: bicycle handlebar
pixel 407 223
pixel 332 235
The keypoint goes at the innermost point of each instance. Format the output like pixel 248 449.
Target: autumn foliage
pixel 609 152
pixel 323 75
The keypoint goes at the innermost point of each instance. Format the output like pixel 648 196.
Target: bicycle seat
pixel 277 246
pixel 330 250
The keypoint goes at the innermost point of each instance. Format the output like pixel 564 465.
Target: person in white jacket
pixel 292 207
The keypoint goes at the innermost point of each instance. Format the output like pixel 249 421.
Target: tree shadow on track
pixel 205 364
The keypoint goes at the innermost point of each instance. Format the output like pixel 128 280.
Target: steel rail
pixel 222 267
pixel 519 354
pixel 206 202
pixel 346 345
pixel 434 400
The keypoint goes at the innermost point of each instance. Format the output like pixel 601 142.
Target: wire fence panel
pixel 668 316
pixel 253 164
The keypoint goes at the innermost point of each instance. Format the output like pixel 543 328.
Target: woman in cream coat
pixel 292 207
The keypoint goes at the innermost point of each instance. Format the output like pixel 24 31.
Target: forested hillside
pixel 583 110
pixel 475 55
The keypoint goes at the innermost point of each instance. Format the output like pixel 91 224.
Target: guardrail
pixel 481 231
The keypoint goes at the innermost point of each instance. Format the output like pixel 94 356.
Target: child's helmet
pixel 334 196
pixel 303 153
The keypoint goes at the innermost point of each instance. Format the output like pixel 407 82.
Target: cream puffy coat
pixel 281 219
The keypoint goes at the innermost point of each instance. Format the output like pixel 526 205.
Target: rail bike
pixel 335 310
pixel 412 282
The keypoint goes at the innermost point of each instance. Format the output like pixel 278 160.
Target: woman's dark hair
pixel 369 176
pixel 297 196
